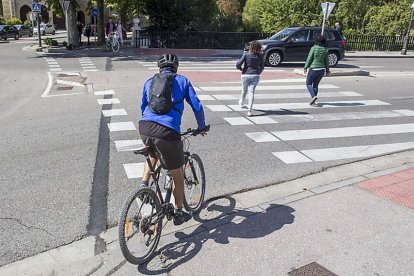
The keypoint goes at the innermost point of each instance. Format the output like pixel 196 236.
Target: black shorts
pixel 170 152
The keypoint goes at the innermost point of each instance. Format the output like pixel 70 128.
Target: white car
pixel 45 29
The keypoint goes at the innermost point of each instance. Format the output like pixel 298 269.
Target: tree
pixel 13 21
pixel 251 15
pixel 230 16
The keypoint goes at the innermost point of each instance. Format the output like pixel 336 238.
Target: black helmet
pixel 168 61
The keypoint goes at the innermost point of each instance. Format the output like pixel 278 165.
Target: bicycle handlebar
pixel 195 132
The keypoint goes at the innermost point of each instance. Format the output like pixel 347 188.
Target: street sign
pixel 327 8
pixel 65 5
pixel 94 12
pixel 36 8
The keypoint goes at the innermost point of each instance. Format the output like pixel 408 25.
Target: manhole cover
pixel 312 269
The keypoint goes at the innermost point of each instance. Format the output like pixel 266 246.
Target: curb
pixel 80 256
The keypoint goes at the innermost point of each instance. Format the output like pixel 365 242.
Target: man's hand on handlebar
pixel 203 131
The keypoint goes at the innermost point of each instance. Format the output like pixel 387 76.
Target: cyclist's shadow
pixel 227 222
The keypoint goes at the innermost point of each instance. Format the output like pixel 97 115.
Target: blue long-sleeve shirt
pixel 182 89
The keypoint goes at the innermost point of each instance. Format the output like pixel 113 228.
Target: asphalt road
pixel 62 176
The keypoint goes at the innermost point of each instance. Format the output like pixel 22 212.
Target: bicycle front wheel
pixel 194 183
pixel 115 45
pixel 139 226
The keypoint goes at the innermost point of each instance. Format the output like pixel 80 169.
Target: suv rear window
pixel 329 34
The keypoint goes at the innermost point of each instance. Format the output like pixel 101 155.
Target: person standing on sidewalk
pixel 119 32
pixel 252 65
pixel 318 64
pixel 80 31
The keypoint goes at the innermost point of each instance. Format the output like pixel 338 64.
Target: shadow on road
pixel 220 220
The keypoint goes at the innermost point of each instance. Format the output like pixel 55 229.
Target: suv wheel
pixel 274 59
pixel 16 37
pixel 53 33
pixel 333 59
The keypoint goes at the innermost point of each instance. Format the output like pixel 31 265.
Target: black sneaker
pixel 181 216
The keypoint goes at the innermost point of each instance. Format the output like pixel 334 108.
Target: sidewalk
pixel 354 219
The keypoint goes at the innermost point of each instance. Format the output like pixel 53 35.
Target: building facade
pixel 22 9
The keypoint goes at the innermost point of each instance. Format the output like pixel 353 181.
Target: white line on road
pixel 108 101
pixel 49 85
pixel 114 112
pixel 264 87
pixel 306 134
pixel 104 92
pixel 134 170
pixel 261 137
pixel 71 83
pixel 330 154
pixel 121 126
pixel 289 95
pixel 238 121
pixel 128 145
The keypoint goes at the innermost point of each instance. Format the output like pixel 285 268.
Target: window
pixel 330 35
pixel 300 36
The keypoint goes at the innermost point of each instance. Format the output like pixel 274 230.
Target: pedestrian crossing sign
pixel 36 7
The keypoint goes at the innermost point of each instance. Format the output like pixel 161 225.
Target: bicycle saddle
pixel 144 151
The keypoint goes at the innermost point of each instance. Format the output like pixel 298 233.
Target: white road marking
pixel 330 154
pixel 108 101
pixel 344 116
pixel 291 157
pixel 128 145
pixel 270 81
pixel 55 69
pixel 104 92
pixel 71 83
pixel 49 85
pixel 206 98
pixel 289 106
pixel 289 95
pixel 121 126
pixel 264 87
pixel 261 137
pixel 262 120
pixel 238 121
pixel 91 70
pixel 218 108
pixel 114 112
pixel 134 170
pixel 306 134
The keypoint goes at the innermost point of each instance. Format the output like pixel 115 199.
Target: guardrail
pixel 237 40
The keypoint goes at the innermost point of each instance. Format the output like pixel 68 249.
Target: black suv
pixel 293 44
pixel 8 31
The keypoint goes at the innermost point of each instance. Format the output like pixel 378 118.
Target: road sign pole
pixel 38 30
pixel 325 15
pixel 407 36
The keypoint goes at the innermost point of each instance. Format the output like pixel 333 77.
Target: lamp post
pixel 407 36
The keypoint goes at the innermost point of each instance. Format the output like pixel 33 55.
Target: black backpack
pixel 160 94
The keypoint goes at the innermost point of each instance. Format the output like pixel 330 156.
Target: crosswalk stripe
pixel 121 126
pixel 344 116
pixel 104 92
pixel 262 120
pixel 134 170
pixel 263 87
pixel 108 101
pixel 128 145
pixel 238 121
pixel 269 81
pixel 261 137
pixel 287 95
pixel 289 106
pixel 330 154
pixel 114 112
pixel 305 134
pixel 206 98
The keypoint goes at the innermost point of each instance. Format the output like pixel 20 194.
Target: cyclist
pixel 162 129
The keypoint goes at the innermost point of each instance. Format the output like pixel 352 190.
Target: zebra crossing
pixel 85 65
pixel 271 95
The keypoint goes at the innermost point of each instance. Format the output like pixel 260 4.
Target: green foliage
pixel 13 21
pixel 27 23
pixel 251 16
pixel 230 15
pixel 2 20
pixel 47 41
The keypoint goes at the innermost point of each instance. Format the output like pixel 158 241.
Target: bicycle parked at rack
pixel 112 42
pixel 141 220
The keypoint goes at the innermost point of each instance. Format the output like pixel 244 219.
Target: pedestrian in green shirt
pixel 318 64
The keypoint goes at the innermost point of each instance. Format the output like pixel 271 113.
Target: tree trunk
pixel 72 28
pixel 123 14
pixel 101 22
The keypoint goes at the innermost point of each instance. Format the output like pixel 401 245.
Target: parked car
pixel 24 30
pixel 293 44
pixel 45 29
pixel 8 31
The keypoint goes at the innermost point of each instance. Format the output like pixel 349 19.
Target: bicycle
pixel 112 42
pixel 140 222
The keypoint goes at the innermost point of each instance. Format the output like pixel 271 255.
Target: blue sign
pixel 94 12
pixel 36 7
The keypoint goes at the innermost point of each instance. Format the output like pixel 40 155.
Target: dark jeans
pixel 313 79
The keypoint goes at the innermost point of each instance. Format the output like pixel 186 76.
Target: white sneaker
pixel 249 113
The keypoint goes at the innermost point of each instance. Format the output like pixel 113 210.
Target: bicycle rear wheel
pixel 194 183
pixel 139 226
pixel 115 45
